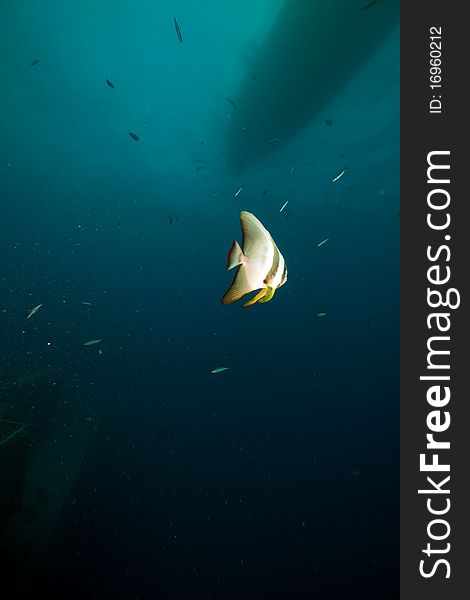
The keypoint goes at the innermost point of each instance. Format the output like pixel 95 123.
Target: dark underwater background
pixel 139 473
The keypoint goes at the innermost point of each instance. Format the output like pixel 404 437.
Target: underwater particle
pixel 284 205
pixel 35 62
pixel 178 30
pixel 238 191
pixel 134 136
pixel 338 176
pixel 33 311
pixel 261 265
pixel 220 369
pixel 93 342
pixel 273 141
pixel 232 102
pixel 110 84
pixel 321 314
pixel 369 4
pixel 322 242
pixel 329 122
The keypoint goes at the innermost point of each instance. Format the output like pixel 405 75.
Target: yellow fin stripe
pixel 268 296
pixel 255 299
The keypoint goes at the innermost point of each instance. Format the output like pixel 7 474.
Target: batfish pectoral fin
pixel 268 296
pixel 255 299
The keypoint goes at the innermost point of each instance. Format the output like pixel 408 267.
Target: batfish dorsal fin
pixel 256 239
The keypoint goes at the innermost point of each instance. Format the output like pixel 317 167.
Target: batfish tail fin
pixel 234 256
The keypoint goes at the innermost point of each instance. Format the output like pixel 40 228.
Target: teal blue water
pixel 141 474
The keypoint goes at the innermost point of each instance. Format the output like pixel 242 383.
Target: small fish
pixel 35 62
pixel 369 4
pixel 111 84
pixel 321 314
pixel 260 264
pixel 284 205
pixel 86 303
pixel 220 369
pixel 134 136
pixel 33 311
pixel 119 223
pixel 93 342
pixel 170 220
pixel 83 227
pixel 338 176
pixel 292 169
pixel 178 31
pixel 273 141
pixel 232 102
pixel 322 242
pixel 353 472
pixel 329 122
pixel 214 194
pixel 238 191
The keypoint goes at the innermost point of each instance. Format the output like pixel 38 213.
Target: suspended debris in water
pixel 178 30
pixel 321 314
pixel 110 84
pixel 284 205
pixel 322 242
pixel 134 136
pixel 338 176
pixel 93 342
pixel 220 369
pixel 35 62
pixel 33 311
pixel 10 429
pixel 273 141
pixel 329 122
pixel 369 4
pixel 238 191
pixel 232 102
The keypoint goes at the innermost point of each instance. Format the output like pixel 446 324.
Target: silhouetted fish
pixel 178 31
pixel 232 102
pixel 111 84
pixel 329 122
pixel 35 62
pixel 170 220
pixel 369 4
pixel 134 136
